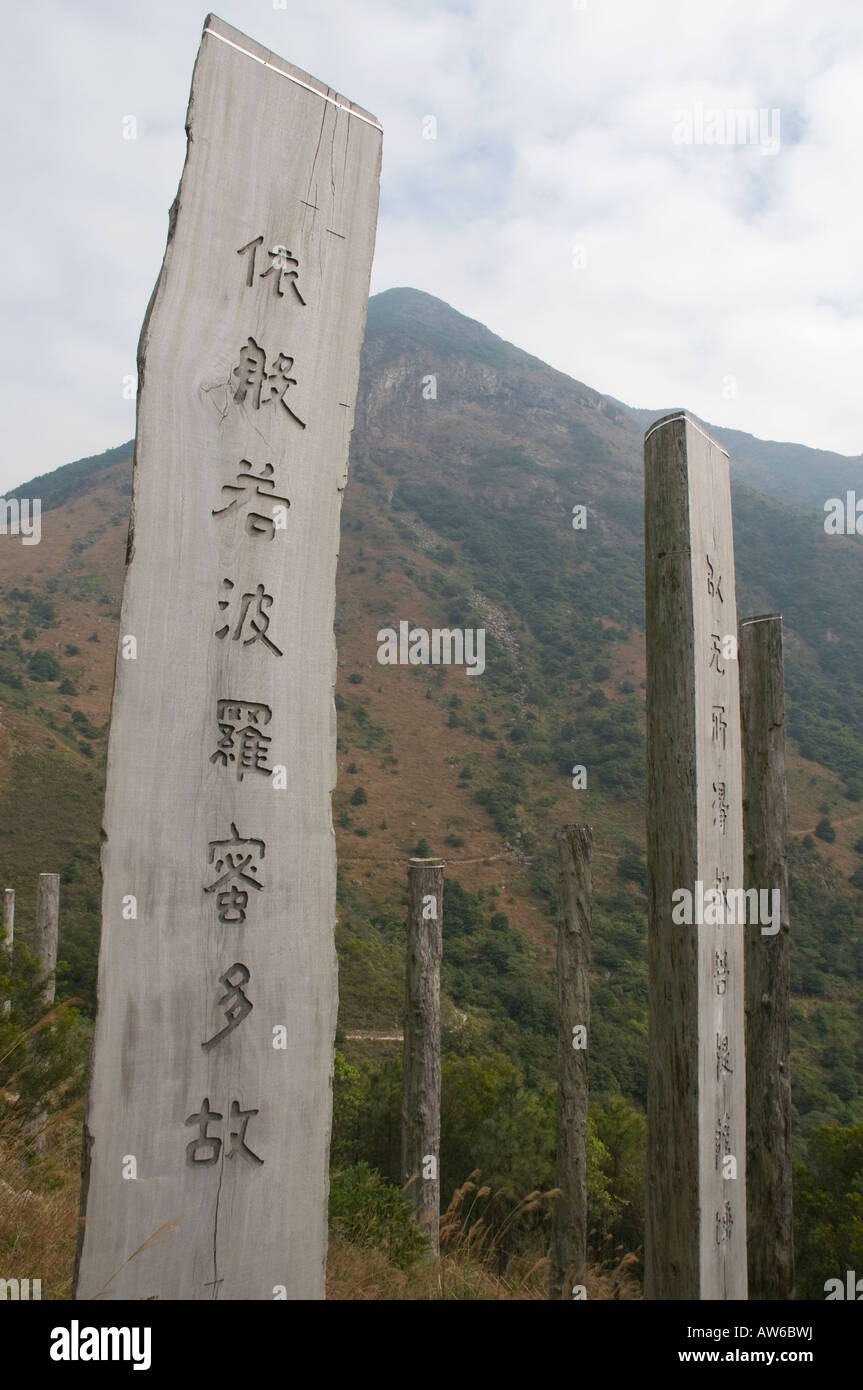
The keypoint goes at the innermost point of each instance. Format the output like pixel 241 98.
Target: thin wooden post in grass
pixel 8 938
pixel 422 1071
pixel 45 937
pixel 45 950
pixel 768 970
pixel 569 1218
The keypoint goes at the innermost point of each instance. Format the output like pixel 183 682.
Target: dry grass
pixel 473 1264
pixel 39 1206
pixel 366 1275
pixel 40 1166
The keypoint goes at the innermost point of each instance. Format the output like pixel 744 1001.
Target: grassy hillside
pixel 458 513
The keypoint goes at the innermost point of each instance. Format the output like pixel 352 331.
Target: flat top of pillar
pixel 683 415
pixel 762 618
pixel 429 863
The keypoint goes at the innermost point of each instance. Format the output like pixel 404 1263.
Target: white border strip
pixel 263 61
pixel 683 416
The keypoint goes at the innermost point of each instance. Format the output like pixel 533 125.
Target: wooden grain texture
pixel 768 965
pixel 569 1217
pixel 234 1207
pixel 421 1083
pixel 695 1245
pixel 46 931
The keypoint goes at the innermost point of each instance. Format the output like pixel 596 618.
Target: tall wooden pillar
pixel 768 965
pixel 695 1246
pixel 209 1112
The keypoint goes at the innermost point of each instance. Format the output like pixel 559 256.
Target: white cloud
pixel 554 128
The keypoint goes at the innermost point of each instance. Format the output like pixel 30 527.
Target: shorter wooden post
pixel 768 967
pixel 422 1069
pixel 8 939
pixel 45 936
pixel 569 1218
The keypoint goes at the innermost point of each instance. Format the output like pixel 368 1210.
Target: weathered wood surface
pixel 569 1217
pixel 8 938
pixel 695 1244
pixel 46 932
pixel 209 1005
pixel 421 1083
pixel 768 965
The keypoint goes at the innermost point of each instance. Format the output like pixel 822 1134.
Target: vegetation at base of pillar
pixel 43 1053
pixel 494 1125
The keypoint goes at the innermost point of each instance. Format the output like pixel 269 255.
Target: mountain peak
pixel 405 317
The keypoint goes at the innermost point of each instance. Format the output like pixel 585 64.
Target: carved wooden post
pixel 422 1072
pixel 768 968
pixel 8 938
pixel 47 926
pixel 569 1219
pixel 209 1112
pixel 695 1244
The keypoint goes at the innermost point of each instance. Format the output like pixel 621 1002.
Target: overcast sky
pixel 587 196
